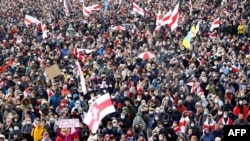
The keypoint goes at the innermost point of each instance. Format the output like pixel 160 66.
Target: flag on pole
pixel 100 108
pixel 65 6
pixel 174 18
pixel 82 80
pixel 137 9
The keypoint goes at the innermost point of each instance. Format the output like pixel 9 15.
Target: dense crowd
pixel 155 99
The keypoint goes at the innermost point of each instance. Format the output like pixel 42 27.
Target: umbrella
pixel 146 55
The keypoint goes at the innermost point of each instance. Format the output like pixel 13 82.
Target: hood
pixel 25 99
pixel 75 96
pixel 181 137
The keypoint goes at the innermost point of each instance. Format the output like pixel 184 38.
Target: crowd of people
pixel 180 95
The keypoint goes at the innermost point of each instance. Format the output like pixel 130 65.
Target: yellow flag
pixel 193 30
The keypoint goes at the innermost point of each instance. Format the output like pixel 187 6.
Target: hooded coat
pixel 25 104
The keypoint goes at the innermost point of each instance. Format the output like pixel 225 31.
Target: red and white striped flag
pixel 82 79
pixel 86 11
pixel 100 108
pixel 118 28
pixel 166 19
pixel 137 9
pixel 31 20
pixel 78 54
pixel 174 18
pixel 66 9
pixel 158 18
pixel 215 24
pixel 212 35
pixel 94 7
pixel 190 7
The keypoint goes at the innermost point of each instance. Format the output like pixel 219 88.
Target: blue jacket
pixel 55 100
pixel 208 137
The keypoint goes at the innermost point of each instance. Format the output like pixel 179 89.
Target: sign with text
pixel 68 123
pixel 236 131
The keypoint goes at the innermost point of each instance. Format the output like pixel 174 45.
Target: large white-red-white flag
pixel 82 79
pixel 137 9
pixel 100 108
pixel 174 18
pixel 215 24
pixel 30 20
pixel 66 9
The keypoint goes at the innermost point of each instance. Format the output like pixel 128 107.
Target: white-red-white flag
pixel 158 18
pixel 94 7
pixel 82 79
pixel 30 20
pixel 86 11
pixel 118 28
pixel 137 9
pixel 215 24
pixel 79 54
pixel 212 35
pixel 166 19
pixel 100 108
pixel 66 9
pixel 174 18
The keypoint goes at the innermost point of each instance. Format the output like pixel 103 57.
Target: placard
pixel 68 123
pixel 53 71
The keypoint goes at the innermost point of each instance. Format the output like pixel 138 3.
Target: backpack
pixel 27 128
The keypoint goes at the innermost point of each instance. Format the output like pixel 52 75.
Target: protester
pixel 183 92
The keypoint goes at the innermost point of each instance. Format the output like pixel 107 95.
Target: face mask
pixel 150 112
pixel 220 113
pixel 146 93
pixel 112 96
pixel 52 120
pixel 192 125
pixel 225 116
pixel 125 95
pixel 28 122
pixel 161 111
pixel 114 124
pixel 157 111
pixel 167 98
pixel 242 95
pixel 122 117
pixel 156 118
pixel 10 129
pixel 240 102
pixel 15 120
pixel 16 128
pixel 205 113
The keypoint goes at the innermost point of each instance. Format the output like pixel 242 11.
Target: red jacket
pixel 236 111
pixel 228 122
